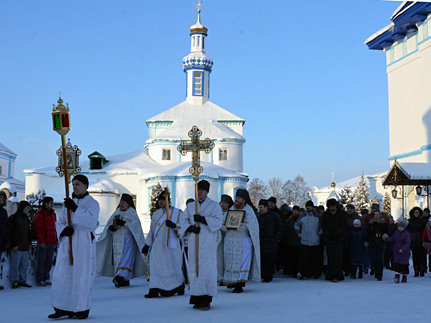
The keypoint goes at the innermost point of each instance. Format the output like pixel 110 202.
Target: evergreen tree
pixel 387 203
pixel 347 195
pixel 35 201
pixel 360 195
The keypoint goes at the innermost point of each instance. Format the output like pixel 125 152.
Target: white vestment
pixel 206 282
pixel 166 257
pixel 242 250
pixel 119 252
pixel 220 251
pixel 72 285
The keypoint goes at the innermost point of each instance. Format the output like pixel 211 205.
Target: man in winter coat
pixel 46 236
pixel 291 242
pixel 334 226
pixel 309 230
pixel 269 234
pixel 416 227
pixel 376 228
pixel 351 216
pixel 20 243
pixel 3 226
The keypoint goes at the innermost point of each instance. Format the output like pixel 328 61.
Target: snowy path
pixel 283 300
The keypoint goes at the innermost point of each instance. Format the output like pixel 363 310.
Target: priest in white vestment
pixel 120 244
pixel 203 286
pixel 72 284
pixel 226 203
pixel 165 250
pixel 241 247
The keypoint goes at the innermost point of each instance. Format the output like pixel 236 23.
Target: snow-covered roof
pixel 182 169
pixel 188 111
pixel 416 170
pixel 103 186
pixel 210 129
pixel 353 182
pixel 140 163
pixel 13 181
pixel 4 148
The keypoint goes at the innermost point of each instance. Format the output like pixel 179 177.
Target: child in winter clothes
pixel 358 252
pixel 401 241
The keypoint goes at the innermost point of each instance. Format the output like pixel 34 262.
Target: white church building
pixel 137 173
pixel 406 42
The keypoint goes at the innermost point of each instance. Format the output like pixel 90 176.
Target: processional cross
pixel 195 146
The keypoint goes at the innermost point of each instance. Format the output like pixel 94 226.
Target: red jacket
pixel 44 226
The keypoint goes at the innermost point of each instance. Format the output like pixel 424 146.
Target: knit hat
pixel 403 224
pixel 226 199
pixel 356 221
pixel 375 206
pixel 309 203
pixel 205 185
pixel 242 193
pixel 263 202
pixel 350 205
pixel 81 178
pixel 295 207
pixel 272 199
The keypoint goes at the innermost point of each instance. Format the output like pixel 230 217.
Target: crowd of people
pixel 210 244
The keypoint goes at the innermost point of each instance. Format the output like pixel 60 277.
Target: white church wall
pixel 234 155
pixel 155 150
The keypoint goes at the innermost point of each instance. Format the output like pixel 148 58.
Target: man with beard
pixel 269 234
pixel 72 285
pixel 291 242
pixel 203 284
pixel 166 257
pixel 351 216
pixel 120 244
pixel 334 226
pixel 241 247
pixel 272 205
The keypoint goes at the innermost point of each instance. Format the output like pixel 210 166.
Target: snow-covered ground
pixel 283 300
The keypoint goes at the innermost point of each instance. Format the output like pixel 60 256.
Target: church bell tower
pixel 197 65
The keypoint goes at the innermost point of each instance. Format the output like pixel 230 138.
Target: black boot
pixel 361 269
pixel 238 289
pixel 82 315
pixel 180 290
pixel 354 270
pixel 60 313
pixel 153 293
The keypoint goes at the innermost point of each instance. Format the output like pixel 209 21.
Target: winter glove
pixel 170 224
pixel 112 228
pixel 366 244
pixel 193 229
pixel 401 251
pixel 67 232
pixel 120 222
pixel 70 204
pixel 145 249
pixel 384 236
pixel 200 218
pixel 242 228
pixel 223 228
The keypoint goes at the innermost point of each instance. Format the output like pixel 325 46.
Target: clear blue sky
pixel 313 96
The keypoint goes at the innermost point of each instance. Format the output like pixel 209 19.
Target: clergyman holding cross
pixel 210 216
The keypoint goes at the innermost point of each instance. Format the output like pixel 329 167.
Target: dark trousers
pixel 389 256
pixel 335 260
pixel 44 261
pixel 292 260
pixel 310 261
pixel 419 259
pixel 267 263
pixel 347 265
pixel 376 257
pixel 201 300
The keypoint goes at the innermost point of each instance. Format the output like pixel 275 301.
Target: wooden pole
pixel 168 217
pixel 196 235
pixel 66 182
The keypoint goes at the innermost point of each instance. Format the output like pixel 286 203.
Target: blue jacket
pixel 358 252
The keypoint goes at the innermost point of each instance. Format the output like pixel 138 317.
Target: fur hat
pixel 375 206
pixel 331 202
pixel 350 205
pixel 285 208
pixel 309 203
pixel 272 199
pixel 263 202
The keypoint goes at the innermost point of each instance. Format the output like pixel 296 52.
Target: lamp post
pixel 419 193
pixel 61 125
